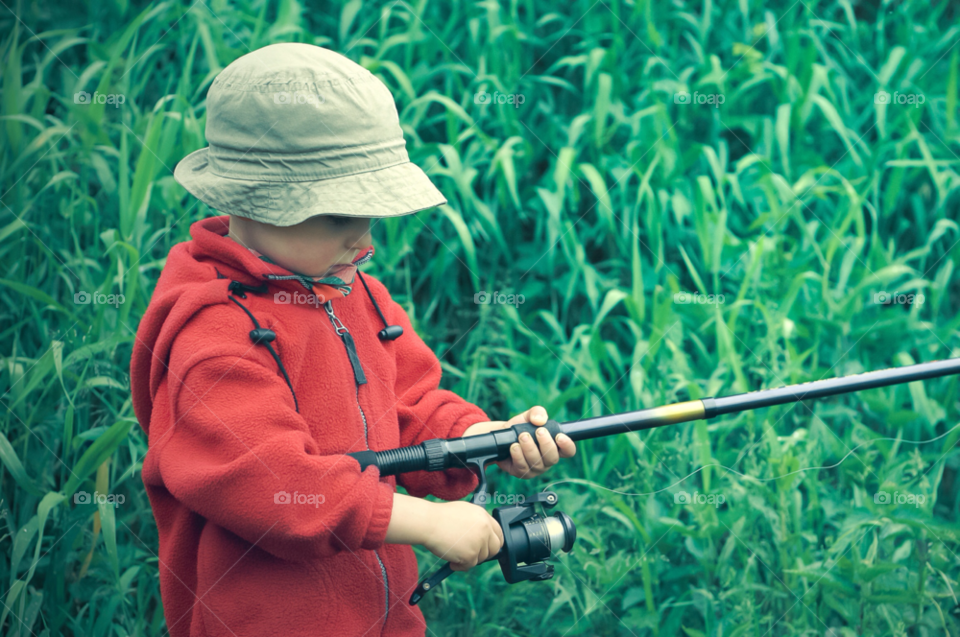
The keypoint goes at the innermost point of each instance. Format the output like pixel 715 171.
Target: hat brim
pixel 394 191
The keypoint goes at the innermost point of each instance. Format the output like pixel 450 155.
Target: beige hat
pixel 296 130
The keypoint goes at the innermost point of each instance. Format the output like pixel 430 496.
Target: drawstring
pixel 389 332
pixel 263 336
pixel 260 335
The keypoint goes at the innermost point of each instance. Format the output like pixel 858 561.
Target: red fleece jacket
pixel 237 559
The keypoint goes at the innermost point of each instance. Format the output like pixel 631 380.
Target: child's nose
pixel 361 241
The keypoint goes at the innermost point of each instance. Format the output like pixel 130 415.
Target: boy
pixel 256 369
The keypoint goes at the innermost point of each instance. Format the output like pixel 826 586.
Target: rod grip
pixel 525 427
pixel 394 461
pixel 365 458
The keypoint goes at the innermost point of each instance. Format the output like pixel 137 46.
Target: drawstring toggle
pixel 262 335
pixel 240 289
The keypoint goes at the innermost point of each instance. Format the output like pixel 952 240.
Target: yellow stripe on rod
pixel 680 412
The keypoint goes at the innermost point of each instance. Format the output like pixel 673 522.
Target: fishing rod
pixel 530 537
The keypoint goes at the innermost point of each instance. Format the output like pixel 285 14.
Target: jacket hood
pixel 197 273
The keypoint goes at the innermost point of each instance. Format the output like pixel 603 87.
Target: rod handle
pixel 525 427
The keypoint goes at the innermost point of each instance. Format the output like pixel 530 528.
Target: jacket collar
pixel 211 242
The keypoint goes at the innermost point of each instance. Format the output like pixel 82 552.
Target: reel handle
pixel 430 583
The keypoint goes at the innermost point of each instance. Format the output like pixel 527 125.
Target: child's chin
pixel 338 269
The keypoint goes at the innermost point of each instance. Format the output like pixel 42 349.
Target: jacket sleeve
pixel 425 411
pixel 244 467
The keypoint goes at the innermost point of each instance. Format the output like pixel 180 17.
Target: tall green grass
pixel 598 199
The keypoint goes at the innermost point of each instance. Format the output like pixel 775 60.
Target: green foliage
pixel 599 199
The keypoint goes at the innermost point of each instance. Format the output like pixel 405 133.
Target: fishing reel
pixel 529 538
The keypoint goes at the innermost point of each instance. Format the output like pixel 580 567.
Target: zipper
pixel 360 379
pixel 347 339
pixel 386 588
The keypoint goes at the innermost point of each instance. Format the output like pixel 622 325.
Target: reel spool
pixel 531 538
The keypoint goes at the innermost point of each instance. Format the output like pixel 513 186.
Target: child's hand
pixel 526 459
pixel 464 534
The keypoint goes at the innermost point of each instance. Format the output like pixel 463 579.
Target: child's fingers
pixel 519 418
pixel 519 461
pixel 496 541
pixel 548 448
pixel 499 533
pixel 536 415
pixel 567 446
pixel 531 453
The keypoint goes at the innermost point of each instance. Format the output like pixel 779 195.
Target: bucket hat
pixel 297 130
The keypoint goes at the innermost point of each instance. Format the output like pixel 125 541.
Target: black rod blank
pixel 711 407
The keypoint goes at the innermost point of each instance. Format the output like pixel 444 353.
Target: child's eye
pixel 339 221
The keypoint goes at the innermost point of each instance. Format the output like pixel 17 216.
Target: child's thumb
pixel 528 415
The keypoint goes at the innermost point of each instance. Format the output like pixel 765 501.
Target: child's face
pixel 314 247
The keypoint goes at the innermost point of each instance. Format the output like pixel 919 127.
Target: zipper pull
pixel 354 359
pixel 344 334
